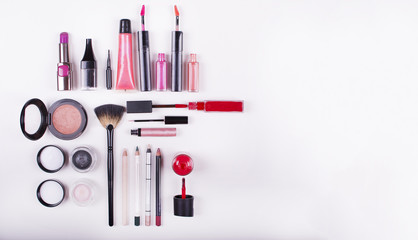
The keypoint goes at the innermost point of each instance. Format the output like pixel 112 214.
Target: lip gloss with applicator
pixel 176 56
pixel 143 53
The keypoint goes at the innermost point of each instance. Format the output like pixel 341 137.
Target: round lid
pixel 42 126
pixel 50 193
pixel 50 158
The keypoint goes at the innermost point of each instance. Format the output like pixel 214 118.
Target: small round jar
pixel 83 159
pixel 82 192
pixel 182 164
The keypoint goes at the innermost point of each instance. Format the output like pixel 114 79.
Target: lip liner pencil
pixel 125 188
pixel 137 187
pixel 148 188
pixel 157 188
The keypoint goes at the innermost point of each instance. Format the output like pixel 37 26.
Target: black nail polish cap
pixel 183 207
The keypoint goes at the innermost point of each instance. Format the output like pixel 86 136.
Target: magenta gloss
pixel 161 73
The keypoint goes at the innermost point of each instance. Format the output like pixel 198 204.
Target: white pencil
pixel 125 220
pixel 148 189
pixel 137 188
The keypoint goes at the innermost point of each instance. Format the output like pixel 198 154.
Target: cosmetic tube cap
pixel 176 41
pixel 125 26
pixel 139 106
pixel 183 207
pixel 176 120
pixel 88 67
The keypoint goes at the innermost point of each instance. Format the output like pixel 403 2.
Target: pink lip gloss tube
pixel 161 73
pixel 154 132
pixel 125 77
pixel 193 74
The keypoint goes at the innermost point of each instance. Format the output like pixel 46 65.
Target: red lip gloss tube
pixel 125 76
pixel 154 132
pixel 64 72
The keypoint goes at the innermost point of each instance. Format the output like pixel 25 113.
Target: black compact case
pixel 66 119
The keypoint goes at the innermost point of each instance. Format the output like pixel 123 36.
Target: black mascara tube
pixel 176 61
pixel 144 61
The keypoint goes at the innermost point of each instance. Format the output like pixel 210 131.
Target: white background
pixel 326 147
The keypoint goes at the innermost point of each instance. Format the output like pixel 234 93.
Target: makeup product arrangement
pixel 67 119
pixel 51 159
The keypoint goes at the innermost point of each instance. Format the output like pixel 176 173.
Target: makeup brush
pixel 109 116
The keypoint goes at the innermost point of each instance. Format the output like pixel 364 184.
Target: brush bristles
pixel 109 114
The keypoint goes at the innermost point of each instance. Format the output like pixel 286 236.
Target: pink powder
pixel 82 193
pixel 66 119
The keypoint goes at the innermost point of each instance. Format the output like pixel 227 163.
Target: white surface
pixel 326 148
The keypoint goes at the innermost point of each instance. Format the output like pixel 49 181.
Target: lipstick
pixel 88 68
pixel 125 75
pixel 143 53
pixel 64 69
pixel 176 56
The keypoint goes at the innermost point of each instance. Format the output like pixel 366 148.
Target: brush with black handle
pixel 109 116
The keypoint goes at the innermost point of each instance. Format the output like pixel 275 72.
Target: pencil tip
pixel 125 153
pixel 158 152
pixel 148 146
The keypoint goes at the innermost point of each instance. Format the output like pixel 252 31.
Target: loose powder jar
pixel 83 159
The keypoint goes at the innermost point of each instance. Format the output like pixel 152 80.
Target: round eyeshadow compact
pixel 83 159
pixel 50 193
pixel 66 119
